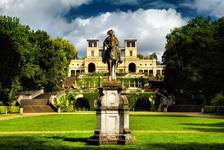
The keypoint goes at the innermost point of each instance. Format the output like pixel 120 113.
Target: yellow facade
pixel 130 62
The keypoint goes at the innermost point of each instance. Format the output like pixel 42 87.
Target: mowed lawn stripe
pixel 89 131
pixel 138 122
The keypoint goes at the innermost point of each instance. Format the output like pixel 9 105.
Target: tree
pixel 193 57
pixel 9 66
pixel 153 56
pixel 30 60
pixel 140 56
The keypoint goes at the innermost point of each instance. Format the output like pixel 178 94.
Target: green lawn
pixel 151 131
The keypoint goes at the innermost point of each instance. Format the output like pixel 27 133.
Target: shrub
pixel 142 104
pixel 210 109
pixel 1 103
pixel 218 100
pixel 68 102
pixel 3 109
pixel 10 109
pixel 220 110
pixel 91 97
pixel 136 101
pixel 214 109
pixel 13 109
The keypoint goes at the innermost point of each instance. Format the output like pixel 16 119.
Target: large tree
pixel 30 59
pixel 193 57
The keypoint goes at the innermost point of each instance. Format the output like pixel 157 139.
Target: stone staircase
pixel 38 104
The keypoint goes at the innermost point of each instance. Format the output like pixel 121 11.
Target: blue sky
pixel 101 6
pixel 149 21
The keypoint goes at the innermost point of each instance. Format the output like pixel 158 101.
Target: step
pixel 34 102
pixel 37 108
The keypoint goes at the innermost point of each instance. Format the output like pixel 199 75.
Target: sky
pixel 149 21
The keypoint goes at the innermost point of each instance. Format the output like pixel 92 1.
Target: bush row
pixel 142 101
pixel 9 109
pixel 137 101
pixel 214 109
pixel 69 102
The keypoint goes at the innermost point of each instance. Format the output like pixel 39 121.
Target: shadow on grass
pixel 163 115
pixel 219 124
pixel 65 143
pixel 206 127
pixel 186 146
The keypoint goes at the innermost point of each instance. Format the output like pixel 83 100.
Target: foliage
pixel 36 60
pixel 91 98
pixel 141 101
pixel 220 110
pixel 214 109
pixel 137 101
pixel 66 102
pixel 69 102
pixel 3 109
pixel 209 109
pixel 153 56
pixel 9 109
pixel 140 56
pixel 194 57
pixel 218 100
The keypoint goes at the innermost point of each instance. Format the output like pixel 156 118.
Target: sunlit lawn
pixel 151 131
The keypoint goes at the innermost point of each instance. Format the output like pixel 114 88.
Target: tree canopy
pixel 194 57
pixel 30 59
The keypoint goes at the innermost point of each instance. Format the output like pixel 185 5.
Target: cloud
pixel 149 27
pixel 46 15
pixel 210 7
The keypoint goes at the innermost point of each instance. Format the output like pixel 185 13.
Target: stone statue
pixel 111 54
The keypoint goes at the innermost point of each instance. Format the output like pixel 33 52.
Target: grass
pixel 151 131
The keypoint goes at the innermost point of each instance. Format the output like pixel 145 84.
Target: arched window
pixel 91 67
pixel 132 67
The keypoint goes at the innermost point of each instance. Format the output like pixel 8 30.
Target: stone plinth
pixel 112 116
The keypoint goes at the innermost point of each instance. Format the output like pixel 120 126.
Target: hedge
pixel 214 109
pixel 137 101
pixel 141 101
pixel 68 103
pixel 91 98
pixel 9 109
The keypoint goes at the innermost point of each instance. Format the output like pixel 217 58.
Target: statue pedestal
pixel 112 117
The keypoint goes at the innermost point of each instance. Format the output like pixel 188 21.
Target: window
pixel 133 44
pixel 122 53
pixel 92 53
pixel 100 52
pixel 77 64
pixel 131 53
pixel 72 73
pixel 92 44
pixel 130 43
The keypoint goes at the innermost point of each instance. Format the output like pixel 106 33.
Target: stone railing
pixel 29 95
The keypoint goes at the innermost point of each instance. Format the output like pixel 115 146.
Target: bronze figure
pixel 111 54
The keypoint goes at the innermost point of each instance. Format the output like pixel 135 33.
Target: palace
pixel 130 62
